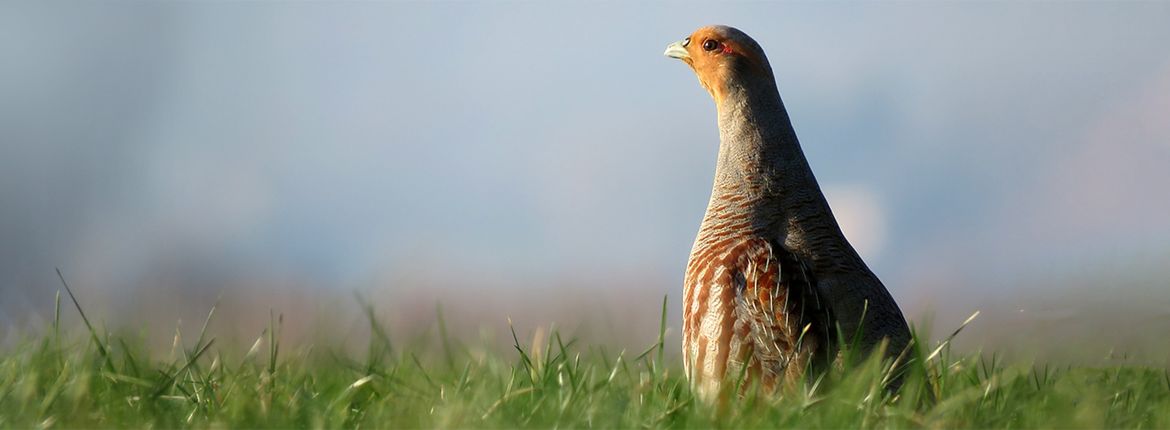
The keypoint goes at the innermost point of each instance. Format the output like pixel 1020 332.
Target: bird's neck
pixel 758 149
pixel 762 178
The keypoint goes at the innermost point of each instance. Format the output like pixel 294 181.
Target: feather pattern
pixel 749 306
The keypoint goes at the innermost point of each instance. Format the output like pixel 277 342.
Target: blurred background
pixel 545 162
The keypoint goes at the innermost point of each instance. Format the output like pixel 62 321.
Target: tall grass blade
pixel 92 333
pixel 661 336
pixel 444 338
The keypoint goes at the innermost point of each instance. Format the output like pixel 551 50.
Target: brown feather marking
pixel 759 317
pixel 727 300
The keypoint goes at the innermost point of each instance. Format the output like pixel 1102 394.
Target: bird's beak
pixel 677 50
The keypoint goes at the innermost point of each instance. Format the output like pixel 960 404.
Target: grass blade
pixel 92 333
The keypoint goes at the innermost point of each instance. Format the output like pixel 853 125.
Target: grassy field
pixel 99 379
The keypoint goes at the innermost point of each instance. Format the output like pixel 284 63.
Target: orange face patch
pixel 712 55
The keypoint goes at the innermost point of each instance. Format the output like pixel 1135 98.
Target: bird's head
pixel 723 57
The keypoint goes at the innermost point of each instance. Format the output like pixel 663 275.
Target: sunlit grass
pixel 100 379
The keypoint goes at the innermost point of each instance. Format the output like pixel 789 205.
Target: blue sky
pixel 343 144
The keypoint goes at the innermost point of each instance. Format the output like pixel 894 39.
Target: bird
pixel 772 286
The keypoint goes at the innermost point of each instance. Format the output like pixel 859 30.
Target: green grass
pixel 106 380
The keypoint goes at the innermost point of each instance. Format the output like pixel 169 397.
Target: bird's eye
pixel 710 45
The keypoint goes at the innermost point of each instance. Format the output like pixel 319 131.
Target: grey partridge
pixel 772 281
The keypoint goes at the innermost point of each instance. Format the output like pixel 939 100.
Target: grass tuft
pixel 553 381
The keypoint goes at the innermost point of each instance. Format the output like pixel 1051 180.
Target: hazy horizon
pixel 976 154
